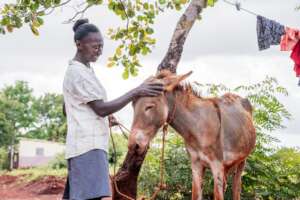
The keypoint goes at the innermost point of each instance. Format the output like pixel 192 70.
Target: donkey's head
pixel 151 113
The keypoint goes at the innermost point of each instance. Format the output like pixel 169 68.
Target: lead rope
pixel 161 185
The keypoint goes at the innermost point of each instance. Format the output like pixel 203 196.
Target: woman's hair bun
pixel 79 22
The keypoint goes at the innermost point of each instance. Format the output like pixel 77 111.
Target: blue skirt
pixel 88 176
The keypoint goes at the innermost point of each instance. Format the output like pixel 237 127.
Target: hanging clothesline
pixel 239 7
pixel 270 32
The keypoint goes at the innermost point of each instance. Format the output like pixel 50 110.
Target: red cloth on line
pixel 295 56
pixel 289 39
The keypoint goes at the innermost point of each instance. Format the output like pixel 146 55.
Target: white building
pixel 34 152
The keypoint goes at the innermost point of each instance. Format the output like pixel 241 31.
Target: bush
pixel 116 156
pixel 4 162
pixel 59 162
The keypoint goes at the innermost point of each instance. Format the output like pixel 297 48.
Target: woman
pixel 87 111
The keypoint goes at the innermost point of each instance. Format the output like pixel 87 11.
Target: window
pixel 39 151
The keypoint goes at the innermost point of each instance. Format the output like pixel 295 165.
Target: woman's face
pixel 90 46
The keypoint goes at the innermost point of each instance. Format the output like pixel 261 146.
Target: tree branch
pixel 182 29
pixel 127 25
pixel 81 13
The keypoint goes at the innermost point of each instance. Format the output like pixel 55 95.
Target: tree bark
pixel 127 176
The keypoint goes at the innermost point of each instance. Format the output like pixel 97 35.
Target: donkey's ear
pixel 172 81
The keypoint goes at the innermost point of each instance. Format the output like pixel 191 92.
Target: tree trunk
pixel 127 175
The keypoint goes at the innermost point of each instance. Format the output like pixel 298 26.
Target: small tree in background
pixel 50 123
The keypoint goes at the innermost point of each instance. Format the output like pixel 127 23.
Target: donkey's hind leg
pixel 219 180
pixel 237 181
pixel 198 170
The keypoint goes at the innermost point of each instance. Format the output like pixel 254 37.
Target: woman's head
pixel 88 40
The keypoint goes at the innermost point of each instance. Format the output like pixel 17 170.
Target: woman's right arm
pixel 104 109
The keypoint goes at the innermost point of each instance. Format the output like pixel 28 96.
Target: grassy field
pixel 36 173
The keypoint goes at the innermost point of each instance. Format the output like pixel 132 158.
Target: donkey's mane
pixel 189 88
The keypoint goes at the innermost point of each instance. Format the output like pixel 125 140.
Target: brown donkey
pixel 218 132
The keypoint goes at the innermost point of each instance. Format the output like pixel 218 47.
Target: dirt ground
pixel 46 188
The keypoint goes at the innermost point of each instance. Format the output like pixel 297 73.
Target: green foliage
pixel 211 2
pixel 116 155
pixel 19 99
pixel 16 112
pixel 4 162
pixel 5 130
pixel 14 15
pixel 272 174
pixel 59 162
pixel 50 123
pixel 177 170
pixel 135 38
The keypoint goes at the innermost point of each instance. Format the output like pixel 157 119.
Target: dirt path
pixel 46 188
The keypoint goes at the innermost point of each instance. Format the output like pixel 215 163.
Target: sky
pixel 221 48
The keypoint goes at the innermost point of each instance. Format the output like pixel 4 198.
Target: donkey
pixel 218 132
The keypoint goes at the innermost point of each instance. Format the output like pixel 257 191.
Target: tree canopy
pixel 134 37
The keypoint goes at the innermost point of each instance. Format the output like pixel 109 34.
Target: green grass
pixel 36 173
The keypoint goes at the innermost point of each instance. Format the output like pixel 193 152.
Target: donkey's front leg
pixel 198 170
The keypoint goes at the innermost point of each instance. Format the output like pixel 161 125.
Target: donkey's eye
pixel 149 107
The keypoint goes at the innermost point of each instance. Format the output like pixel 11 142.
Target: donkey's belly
pixel 238 136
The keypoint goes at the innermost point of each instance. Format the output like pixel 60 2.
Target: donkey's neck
pixel 181 116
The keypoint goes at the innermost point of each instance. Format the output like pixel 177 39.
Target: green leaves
pixel 34 30
pixel 16 116
pixel 125 74
pixel 135 38
pixel 211 3
pixel 94 2
pixel 15 15
pixel 10 18
pixel 50 124
pixel 162 1
pixel 273 174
